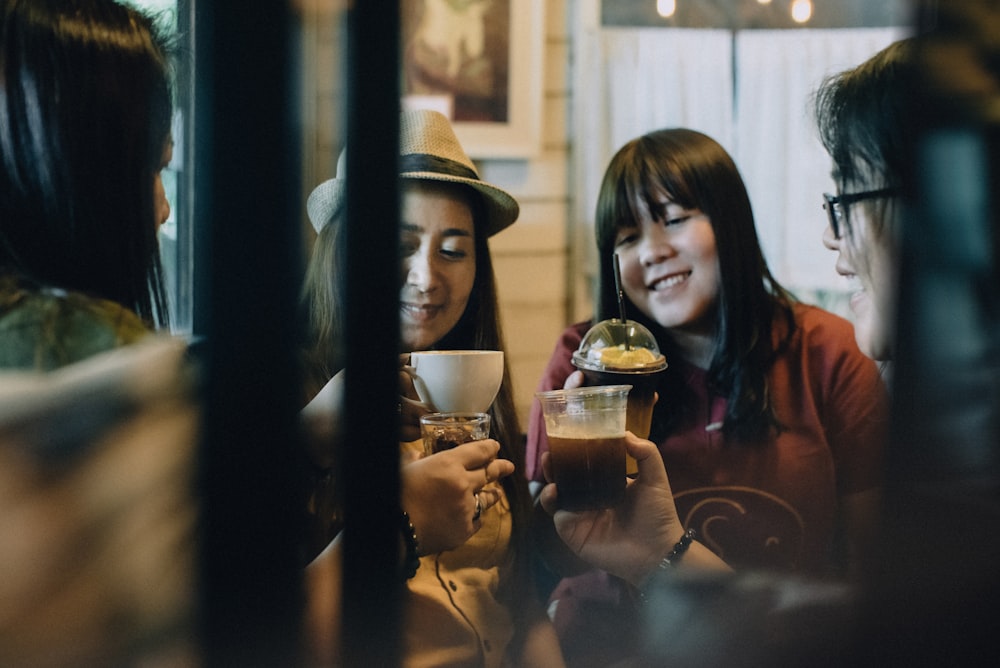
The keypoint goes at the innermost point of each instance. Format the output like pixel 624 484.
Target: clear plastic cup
pixel 586 433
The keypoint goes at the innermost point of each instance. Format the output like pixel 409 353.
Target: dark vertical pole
pixel 248 210
pixel 371 588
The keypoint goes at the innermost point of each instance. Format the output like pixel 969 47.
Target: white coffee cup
pixel 457 380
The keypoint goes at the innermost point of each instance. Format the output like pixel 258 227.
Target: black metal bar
pixel 247 207
pixel 371 584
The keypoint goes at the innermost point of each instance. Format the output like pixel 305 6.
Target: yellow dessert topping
pixel 633 358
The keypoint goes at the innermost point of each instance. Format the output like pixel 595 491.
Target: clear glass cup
pixel 444 431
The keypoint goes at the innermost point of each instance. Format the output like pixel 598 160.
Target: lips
pixel 668 282
pixel 419 312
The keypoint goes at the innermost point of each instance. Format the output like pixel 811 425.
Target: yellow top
pixel 453 615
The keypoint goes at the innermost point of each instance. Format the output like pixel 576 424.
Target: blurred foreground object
pixel 96 511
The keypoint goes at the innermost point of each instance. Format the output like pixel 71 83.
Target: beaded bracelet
pixel 679 549
pixel 668 562
pixel 412 562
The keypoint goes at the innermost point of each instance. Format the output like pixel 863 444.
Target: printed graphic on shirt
pixel 746 527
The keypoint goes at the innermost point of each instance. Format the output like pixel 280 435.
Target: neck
pixel 695 347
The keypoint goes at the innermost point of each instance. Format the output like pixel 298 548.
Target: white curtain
pixel 629 82
pixel 751 91
pixel 778 150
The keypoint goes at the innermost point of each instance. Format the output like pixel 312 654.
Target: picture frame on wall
pixel 480 63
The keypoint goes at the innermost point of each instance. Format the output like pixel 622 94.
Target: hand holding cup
pixel 440 491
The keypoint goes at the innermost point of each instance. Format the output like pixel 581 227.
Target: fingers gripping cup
pixel 586 432
pixel 613 352
pixel 444 431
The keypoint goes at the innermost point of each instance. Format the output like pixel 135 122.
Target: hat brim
pixel 326 200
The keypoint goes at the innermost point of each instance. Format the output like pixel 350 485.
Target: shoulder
pixel 45 329
pixel 819 324
pixel 826 341
pixel 568 342
pixel 573 334
pixel 560 363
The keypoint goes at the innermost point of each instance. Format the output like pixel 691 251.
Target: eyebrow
pixel 447 232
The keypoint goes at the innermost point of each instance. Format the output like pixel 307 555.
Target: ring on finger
pixel 479 509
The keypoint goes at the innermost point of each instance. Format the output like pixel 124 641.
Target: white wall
pixel 531 257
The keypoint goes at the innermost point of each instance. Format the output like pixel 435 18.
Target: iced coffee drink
pixel 615 352
pixel 586 432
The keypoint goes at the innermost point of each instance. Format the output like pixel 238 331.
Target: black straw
pixel 621 297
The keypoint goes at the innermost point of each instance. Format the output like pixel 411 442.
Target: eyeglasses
pixel 836 205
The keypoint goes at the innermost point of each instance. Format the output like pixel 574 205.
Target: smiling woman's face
pixel 867 261
pixel 670 266
pixel 438 250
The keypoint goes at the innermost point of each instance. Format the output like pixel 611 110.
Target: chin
pixel 871 341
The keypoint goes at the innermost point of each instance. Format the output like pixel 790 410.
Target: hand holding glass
pixel 444 431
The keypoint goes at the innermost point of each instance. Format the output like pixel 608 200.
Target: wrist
pixel 654 558
pixel 411 556
pixel 670 560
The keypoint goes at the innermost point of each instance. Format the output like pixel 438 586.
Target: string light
pixel 801 10
pixel 666 8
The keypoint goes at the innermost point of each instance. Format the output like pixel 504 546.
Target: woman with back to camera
pixel 770 421
pixel 470 601
pixel 81 197
pixel 102 568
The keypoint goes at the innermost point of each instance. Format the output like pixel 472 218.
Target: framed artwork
pixel 479 62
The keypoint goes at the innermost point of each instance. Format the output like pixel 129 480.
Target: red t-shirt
pixel 770 506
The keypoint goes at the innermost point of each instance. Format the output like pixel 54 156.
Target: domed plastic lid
pixel 623 347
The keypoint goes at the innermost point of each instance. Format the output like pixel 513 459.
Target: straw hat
pixel 429 150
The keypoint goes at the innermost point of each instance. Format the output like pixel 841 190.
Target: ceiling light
pixel 666 8
pixel 801 10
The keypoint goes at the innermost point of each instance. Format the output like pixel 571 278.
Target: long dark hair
pixel 85 104
pixel 696 172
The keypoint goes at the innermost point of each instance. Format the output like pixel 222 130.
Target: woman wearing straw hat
pixel 470 601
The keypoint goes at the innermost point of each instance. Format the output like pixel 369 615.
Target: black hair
pixel 694 171
pixel 85 105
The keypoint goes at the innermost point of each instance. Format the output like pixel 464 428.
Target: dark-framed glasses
pixel 836 205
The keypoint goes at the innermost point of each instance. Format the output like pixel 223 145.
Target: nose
pixel 419 270
pixel 830 241
pixel 655 246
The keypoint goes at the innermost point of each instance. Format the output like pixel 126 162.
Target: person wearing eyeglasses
pixel 863 126
pixel 885 125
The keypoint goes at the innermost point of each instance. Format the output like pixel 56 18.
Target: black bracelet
pixel 668 562
pixel 412 562
pixel 679 549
